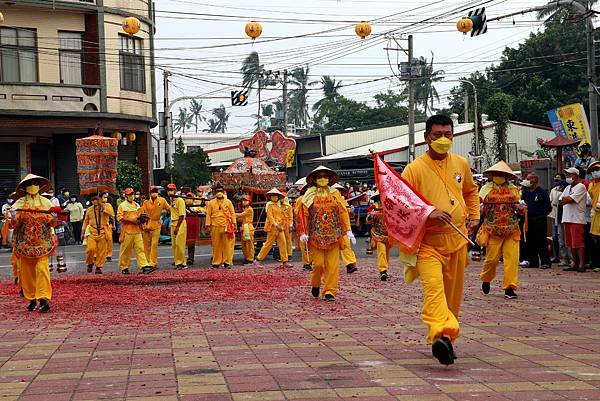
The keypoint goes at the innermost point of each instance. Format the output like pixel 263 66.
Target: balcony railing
pixel 49 97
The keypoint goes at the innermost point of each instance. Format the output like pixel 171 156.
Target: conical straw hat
pixel 500 167
pixel 44 184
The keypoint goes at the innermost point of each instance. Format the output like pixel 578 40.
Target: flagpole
pixel 461 233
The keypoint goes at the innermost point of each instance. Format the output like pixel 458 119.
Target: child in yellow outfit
pixel 128 214
pixel 348 255
pixel 275 229
pixel 246 218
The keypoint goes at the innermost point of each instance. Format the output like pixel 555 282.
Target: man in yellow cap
pixel 129 214
pixel 220 221
pixel 348 255
pixel 153 208
pixel 33 240
pixel 275 229
pixel 500 233
pixel 96 221
pixel 324 222
pixel 178 228
pixel 446 181
pixel 246 218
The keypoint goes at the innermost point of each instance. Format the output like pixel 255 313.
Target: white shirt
pixel 574 212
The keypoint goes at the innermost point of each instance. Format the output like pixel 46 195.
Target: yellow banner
pixel 574 121
pixel 289 159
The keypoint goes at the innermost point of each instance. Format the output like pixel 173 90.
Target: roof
pixel 559 142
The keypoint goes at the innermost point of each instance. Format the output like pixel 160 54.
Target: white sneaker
pixel 524 264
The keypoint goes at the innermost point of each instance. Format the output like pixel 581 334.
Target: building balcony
pixel 49 97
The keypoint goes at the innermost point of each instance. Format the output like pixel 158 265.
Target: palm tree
pixel 213 125
pixel 251 70
pixel 196 110
pixel 184 120
pixel 331 91
pixel 221 117
pixel 425 92
pixel 298 107
pixel 267 110
pixel 556 12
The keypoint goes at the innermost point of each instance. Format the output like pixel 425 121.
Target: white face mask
pixel 596 174
pixel 526 183
pixel 569 180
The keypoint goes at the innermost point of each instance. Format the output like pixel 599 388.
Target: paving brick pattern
pixel 369 345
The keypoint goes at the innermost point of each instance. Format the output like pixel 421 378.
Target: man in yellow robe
pixel 500 233
pixel 220 221
pixel 347 253
pixel 95 223
pixel 445 180
pixel 178 228
pixel 128 214
pixel 153 208
pixel 323 224
pixel 275 229
pixel 33 240
pixel 246 219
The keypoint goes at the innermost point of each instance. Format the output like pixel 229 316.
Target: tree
pixel 267 110
pixel 298 105
pixel 213 125
pixel 425 92
pixel 485 89
pixel 183 121
pixel 556 12
pixel 221 117
pixel 499 108
pixel 196 110
pixel 331 92
pixel 344 114
pixel 189 168
pixel 251 70
pixel 129 175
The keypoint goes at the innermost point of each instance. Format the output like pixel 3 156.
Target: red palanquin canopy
pixel 251 175
pixel 97 164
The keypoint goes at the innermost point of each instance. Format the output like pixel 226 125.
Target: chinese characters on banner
pixel 570 121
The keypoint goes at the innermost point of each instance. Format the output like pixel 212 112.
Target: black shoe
pixel 215 266
pixel 50 267
pixel 148 269
pixel 351 268
pixel 225 265
pixel 109 259
pixel 315 292
pixel 510 293
pixel 383 276
pixel 544 267
pixel 307 267
pixel 443 350
pixel 125 271
pixel 485 287
pixel 581 270
pixel 248 262
pixel 44 306
pixel 555 260
pixel 90 267
pixel 329 297
pixel 570 269
pixel 32 305
pixel 183 267
pixel 98 270
pixel 189 262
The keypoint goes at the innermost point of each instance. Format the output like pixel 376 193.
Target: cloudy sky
pixel 202 43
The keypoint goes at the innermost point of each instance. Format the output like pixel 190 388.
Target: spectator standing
pixel 560 252
pixel 75 209
pixel 538 208
pixel 585 159
pixel 594 191
pixel 573 200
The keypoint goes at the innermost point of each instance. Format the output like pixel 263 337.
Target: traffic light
pixel 239 98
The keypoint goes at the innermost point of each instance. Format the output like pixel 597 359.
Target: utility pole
pixel 411 103
pixel 167 117
pixel 466 101
pixel 285 102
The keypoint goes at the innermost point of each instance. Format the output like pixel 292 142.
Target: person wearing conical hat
pixel 324 222
pixel 274 227
pixel 499 232
pixel 379 236
pixel 594 191
pixel 130 215
pixel 33 241
pixel 306 262
pixel 347 254
pixel 220 221
pixel 246 219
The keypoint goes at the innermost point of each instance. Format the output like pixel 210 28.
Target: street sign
pixel 479 21
pixel 239 98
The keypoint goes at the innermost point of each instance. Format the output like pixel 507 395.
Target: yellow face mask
pixel 32 189
pixel 153 195
pixel 322 182
pixel 104 200
pixel 245 203
pixel 129 198
pixel 220 195
pixel 499 180
pixel 274 199
pixel 189 202
pixel 441 145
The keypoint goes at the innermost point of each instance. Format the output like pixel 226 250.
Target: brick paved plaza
pixel 248 334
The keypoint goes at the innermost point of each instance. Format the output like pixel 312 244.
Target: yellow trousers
pixel 383 256
pixel 248 248
pixel 273 236
pixel 132 242
pixel 96 249
pixel 151 238
pixel 109 241
pixel 178 244
pixel 508 248
pixel 34 277
pixel 303 250
pixel 442 277
pixel 326 268
pixel 222 246
pixel 348 256
pixel 288 240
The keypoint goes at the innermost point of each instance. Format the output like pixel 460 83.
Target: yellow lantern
pixel 464 25
pixel 131 137
pixel 363 29
pixel 1 18
pixel 253 29
pixel 131 25
pixel 117 135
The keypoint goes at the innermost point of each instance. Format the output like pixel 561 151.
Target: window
pixel 132 64
pixel 18 55
pixel 70 57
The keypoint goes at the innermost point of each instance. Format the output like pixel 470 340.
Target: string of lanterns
pixel 253 29
pixel 124 139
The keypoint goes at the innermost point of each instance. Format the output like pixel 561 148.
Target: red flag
pixel 405 210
